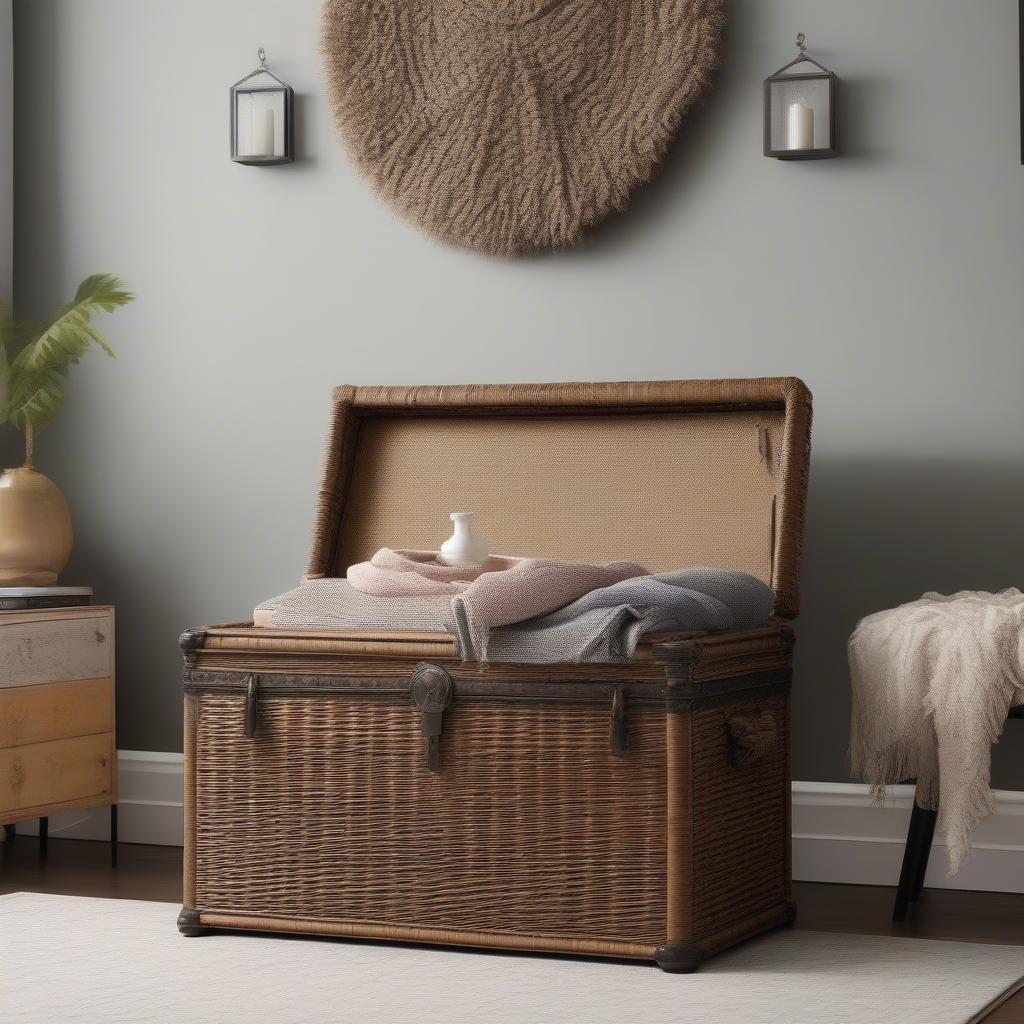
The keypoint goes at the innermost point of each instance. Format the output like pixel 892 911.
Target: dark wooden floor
pixel 154 873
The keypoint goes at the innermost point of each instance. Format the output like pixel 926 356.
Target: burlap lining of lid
pixel 664 490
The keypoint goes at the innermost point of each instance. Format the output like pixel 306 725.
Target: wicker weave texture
pixel 532 827
pixel 740 820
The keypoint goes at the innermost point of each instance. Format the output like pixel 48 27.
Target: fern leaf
pixel 70 334
pixel 34 397
pixel 104 290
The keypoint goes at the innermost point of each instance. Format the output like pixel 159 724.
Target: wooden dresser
pixel 57 743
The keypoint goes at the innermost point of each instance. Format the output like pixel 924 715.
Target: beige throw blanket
pixel 498 593
pixel 933 681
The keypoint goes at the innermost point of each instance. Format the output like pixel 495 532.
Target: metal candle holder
pixel 813 95
pixel 262 117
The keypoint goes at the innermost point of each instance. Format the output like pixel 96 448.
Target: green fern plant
pixel 34 358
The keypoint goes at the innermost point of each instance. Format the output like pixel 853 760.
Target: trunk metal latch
pixel 252 696
pixel 619 731
pixel 432 690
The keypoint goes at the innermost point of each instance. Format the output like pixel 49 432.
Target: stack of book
pixel 13 599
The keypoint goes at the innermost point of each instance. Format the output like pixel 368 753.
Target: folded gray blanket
pixel 602 626
pixel 606 624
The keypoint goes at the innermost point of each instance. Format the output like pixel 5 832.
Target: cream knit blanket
pixel 933 681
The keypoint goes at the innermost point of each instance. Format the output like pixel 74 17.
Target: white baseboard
pixel 149 804
pixel 839 833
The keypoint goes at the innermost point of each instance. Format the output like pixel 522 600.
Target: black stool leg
pixel 44 835
pixel 915 859
pixel 927 834
pixel 113 835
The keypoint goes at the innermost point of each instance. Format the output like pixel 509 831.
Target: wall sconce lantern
pixel 261 117
pixel 800 111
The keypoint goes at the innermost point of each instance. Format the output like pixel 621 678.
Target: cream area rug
pixel 69 959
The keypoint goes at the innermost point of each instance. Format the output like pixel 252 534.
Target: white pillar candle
pixel 800 133
pixel 262 141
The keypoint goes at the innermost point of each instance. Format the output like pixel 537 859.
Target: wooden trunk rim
pixel 430 936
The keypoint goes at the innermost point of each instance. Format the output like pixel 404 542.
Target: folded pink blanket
pixel 417 574
pixel 498 593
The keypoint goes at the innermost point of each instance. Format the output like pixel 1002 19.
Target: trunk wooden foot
pixel 678 958
pixel 188 923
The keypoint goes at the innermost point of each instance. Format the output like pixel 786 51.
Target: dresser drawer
pixel 55 711
pixel 56 772
pixel 58 647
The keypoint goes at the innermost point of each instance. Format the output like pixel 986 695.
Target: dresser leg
pixel 44 835
pixel 9 832
pixel 113 835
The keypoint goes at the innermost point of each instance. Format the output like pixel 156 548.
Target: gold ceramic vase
pixel 35 529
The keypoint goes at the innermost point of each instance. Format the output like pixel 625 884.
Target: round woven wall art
pixel 513 125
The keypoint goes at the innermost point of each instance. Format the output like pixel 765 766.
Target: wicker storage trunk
pixel 637 811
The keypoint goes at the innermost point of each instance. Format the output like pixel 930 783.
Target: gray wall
pixel 889 279
pixel 6 153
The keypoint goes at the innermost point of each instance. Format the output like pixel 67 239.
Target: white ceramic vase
pixel 463 547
